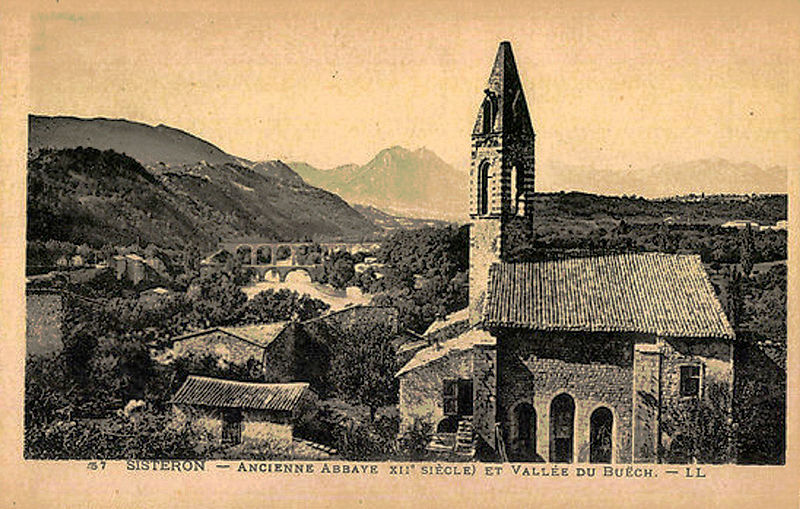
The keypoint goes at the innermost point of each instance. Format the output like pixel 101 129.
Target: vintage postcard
pixel 321 253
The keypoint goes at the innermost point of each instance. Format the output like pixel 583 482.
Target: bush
pixel 147 435
pixel 367 441
pixel 413 443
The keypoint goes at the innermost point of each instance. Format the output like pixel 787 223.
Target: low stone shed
pixel 245 412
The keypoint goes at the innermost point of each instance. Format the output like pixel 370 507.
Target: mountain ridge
pixel 397 180
pixel 150 145
pixel 215 193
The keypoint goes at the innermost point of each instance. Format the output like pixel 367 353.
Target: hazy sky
pixel 608 84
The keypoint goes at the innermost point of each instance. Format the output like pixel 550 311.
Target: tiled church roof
pixel 663 294
pixel 215 392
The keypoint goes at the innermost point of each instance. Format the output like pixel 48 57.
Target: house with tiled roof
pixel 233 345
pixel 600 359
pixel 290 350
pixel 236 412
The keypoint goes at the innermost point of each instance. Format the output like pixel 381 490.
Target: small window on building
pixel 457 397
pixel 690 380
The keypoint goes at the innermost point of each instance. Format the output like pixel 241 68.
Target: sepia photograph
pixel 439 238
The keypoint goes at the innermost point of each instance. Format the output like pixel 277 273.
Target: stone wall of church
pixel 636 377
pixel 595 370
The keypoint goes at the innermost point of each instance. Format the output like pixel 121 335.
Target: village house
pixel 245 412
pixel 136 269
pixel 599 359
pixel 230 345
pixel 287 351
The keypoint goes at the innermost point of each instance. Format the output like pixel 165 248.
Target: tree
pixel 363 366
pixel 339 269
pixel 425 274
pixel 735 300
pixel 217 299
pixel 700 429
pixel 274 306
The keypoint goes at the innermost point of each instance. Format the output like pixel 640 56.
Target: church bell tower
pixel 501 172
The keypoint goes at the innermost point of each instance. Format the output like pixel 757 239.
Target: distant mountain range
pixel 397 180
pixel 709 176
pixel 396 184
pixel 419 184
pixel 170 188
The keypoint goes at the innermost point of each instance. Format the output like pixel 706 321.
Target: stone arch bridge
pixel 283 258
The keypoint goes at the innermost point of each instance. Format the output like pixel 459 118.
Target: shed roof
pixel 454 318
pixel 462 342
pixel 215 392
pixel 260 335
pixel 663 294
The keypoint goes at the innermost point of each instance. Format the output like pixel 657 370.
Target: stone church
pixel 600 359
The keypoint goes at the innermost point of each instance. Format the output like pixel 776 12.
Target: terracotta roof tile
pixel 463 342
pixel 656 293
pixel 259 334
pixel 462 315
pixel 215 392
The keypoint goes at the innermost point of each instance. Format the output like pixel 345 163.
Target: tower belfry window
pixel 483 189
pixel 488 112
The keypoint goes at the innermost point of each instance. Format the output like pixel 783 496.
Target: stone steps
pixel 465 438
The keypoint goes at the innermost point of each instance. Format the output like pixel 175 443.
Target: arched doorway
pixel 448 425
pixel 601 424
pixel 562 425
pixel 525 421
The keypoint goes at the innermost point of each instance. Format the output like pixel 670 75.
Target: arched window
pixel 483 189
pixel 525 420
pixel 600 438
pixel 487 115
pixel 562 417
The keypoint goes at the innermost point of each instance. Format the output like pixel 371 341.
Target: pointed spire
pixel 504 109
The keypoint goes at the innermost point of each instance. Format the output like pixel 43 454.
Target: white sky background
pixel 608 85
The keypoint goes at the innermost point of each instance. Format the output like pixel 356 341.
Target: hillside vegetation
pixel 84 195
